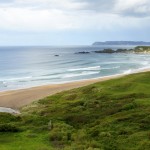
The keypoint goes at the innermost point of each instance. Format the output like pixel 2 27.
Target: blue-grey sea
pixel 23 67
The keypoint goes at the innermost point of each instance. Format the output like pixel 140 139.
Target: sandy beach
pixel 16 99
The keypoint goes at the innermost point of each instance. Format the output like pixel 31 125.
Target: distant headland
pixel 122 43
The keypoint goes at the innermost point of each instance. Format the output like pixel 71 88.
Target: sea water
pixel 24 67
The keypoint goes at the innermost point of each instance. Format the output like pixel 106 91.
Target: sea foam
pixel 84 73
pixel 87 68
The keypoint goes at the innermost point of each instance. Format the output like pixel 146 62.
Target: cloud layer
pixel 75 15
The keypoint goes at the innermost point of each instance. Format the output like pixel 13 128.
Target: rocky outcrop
pixel 137 50
pixel 110 51
pixel 142 49
pixel 84 52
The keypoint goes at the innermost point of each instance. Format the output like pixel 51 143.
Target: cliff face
pixel 122 43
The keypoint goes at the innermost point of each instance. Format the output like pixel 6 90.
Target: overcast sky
pixel 73 22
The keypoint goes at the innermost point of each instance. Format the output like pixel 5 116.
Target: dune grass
pixel 110 115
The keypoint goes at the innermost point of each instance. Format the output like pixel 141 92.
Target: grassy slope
pixel 111 115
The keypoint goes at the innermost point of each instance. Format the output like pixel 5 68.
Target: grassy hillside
pixel 111 115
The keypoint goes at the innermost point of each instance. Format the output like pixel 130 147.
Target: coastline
pixel 16 99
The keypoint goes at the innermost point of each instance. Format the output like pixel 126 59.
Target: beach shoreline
pixel 16 99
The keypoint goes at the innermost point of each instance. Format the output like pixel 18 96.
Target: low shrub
pixel 8 128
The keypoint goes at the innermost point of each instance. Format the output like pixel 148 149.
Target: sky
pixel 73 22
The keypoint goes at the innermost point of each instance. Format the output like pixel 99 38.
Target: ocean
pixel 24 67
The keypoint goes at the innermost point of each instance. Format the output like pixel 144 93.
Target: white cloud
pixel 48 15
pixel 27 19
pixel 43 4
pixel 44 20
pixel 134 8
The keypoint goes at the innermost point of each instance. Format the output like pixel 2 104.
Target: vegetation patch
pixel 110 115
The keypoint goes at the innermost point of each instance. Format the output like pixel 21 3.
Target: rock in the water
pixel 109 50
pixel 82 52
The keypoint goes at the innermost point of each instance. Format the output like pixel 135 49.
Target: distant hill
pixel 122 43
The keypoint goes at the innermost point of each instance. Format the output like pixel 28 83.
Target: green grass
pixel 110 115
